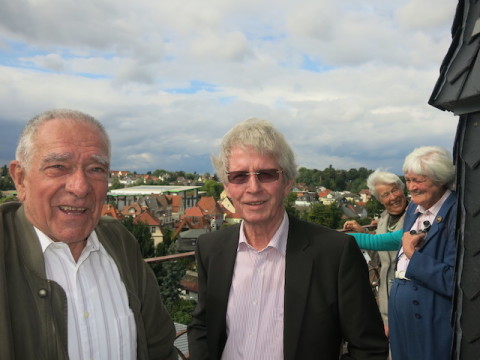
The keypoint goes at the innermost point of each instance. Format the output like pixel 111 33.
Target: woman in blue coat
pixel 420 302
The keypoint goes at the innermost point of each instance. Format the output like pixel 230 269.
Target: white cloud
pixel 347 82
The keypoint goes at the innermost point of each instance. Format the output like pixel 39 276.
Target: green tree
pixel 374 207
pixel 289 203
pixel 327 215
pixel 142 233
pixel 213 188
pixel 357 185
pixel 7 199
pixel 190 176
pixel 6 182
pixel 181 311
pixel 173 272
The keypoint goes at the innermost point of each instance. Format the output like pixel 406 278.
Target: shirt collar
pixel 278 241
pixel 433 210
pixel 93 243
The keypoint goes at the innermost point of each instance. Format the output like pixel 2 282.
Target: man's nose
pixel 253 182
pixel 78 183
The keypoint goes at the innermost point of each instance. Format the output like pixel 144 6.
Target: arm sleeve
pixel 197 330
pixel 360 318
pixel 379 242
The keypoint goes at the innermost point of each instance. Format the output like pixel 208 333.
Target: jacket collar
pixel 440 218
pixel 29 244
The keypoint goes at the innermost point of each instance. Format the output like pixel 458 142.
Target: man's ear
pixel 288 187
pixel 17 173
pixel 225 188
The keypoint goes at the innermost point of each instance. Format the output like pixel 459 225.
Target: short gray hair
pixel 26 142
pixel 264 138
pixel 433 162
pixel 380 177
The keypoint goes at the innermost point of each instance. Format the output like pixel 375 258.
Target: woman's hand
pixel 411 242
pixel 353 226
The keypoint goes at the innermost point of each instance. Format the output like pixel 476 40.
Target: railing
pixel 171 257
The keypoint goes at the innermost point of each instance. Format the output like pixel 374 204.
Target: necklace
pixel 392 221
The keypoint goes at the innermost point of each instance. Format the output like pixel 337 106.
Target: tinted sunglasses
pixel 263 175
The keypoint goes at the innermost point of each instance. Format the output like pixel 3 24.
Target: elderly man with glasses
pixel 275 287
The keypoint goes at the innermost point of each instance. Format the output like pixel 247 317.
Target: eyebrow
pixel 53 157
pixel 101 159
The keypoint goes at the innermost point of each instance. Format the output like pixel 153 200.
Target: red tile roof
pixel 146 218
pixel 112 211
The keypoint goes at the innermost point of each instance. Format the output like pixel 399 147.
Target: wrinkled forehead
pixel 415 176
pixel 72 131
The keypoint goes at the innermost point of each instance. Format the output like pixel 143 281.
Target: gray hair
pixel 433 162
pixel 380 177
pixel 263 138
pixel 26 142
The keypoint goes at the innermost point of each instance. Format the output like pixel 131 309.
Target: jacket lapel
pixel 440 218
pixel 29 244
pixel 221 263
pixel 297 281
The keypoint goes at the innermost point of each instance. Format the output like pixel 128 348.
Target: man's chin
pixel 73 235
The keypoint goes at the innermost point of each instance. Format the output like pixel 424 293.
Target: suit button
pixel 418 316
pixel 414 287
pixel 415 302
pixel 43 293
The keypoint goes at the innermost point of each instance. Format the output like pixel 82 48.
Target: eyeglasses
pixel 263 175
pixel 394 191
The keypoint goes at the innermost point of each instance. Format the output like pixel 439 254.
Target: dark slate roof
pixel 457 87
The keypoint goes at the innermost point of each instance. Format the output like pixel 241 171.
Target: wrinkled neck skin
pixel 259 235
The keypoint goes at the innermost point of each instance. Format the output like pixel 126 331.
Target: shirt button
pixel 418 316
pixel 43 293
pixel 86 314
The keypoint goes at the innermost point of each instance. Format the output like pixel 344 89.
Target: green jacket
pixel 33 310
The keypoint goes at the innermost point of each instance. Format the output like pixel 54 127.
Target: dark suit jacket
pixel 327 296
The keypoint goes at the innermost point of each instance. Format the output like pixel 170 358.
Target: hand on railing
pixel 354 226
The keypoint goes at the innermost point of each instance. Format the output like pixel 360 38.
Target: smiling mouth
pixel 72 209
pixel 256 202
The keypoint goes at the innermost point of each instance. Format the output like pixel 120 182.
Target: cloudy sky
pixel 346 81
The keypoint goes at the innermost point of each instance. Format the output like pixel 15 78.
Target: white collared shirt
pixel 425 215
pixel 101 324
pixel 256 300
